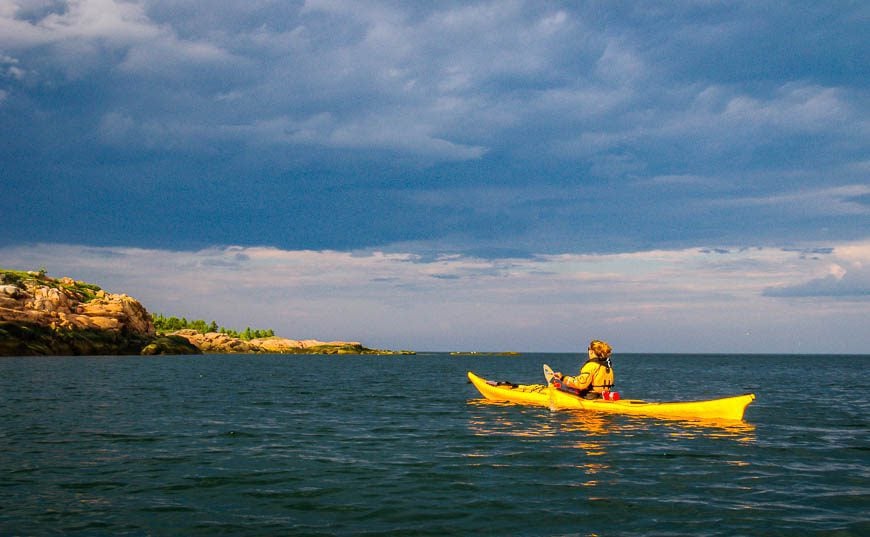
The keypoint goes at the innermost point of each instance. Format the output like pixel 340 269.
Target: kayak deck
pixel 728 408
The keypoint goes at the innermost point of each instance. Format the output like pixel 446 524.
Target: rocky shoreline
pixel 41 315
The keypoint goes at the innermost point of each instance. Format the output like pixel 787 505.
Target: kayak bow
pixel 728 408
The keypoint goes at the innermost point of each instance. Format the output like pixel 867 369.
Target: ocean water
pixel 390 445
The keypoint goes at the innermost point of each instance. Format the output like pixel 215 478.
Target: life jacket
pixel 604 379
pixel 596 376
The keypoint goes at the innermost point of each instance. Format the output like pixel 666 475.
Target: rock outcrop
pixel 170 345
pixel 215 342
pixel 279 345
pixel 40 315
pixel 70 305
pixel 219 343
pixel 43 315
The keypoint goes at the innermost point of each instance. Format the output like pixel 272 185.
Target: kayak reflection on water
pixel 547 439
pixel 515 422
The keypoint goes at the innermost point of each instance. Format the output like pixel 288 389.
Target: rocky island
pixel 41 315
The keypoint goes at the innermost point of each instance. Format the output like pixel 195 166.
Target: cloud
pixel 82 34
pixel 848 276
pixel 620 64
pixel 169 56
pixel 9 68
pixel 842 200
pixel 797 107
pixel 405 299
pixel 401 133
pixel 851 284
pixel 475 126
pixel 446 83
pixel 393 78
pixel 118 23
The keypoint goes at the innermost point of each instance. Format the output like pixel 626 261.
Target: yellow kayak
pixel 728 408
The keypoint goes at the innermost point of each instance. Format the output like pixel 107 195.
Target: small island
pixel 45 316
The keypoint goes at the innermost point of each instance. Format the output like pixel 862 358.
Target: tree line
pixel 170 324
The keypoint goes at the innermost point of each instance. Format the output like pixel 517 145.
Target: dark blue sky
pixel 491 130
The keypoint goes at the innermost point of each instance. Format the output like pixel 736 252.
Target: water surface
pixel 368 445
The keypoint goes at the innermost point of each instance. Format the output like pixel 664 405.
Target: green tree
pixel 165 324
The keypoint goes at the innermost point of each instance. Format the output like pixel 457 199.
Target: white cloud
pixel 119 23
pixel 400 132
pixel 9 68
pixel 698 127
pixel 848 277
pixel 559 109
pixel 732 115
pixel 619 64
pixel 417 76
pixel 795 106
pixel 445 82
pixel 84 28
pixel 837 200
pixel 382 298
pixel 170 55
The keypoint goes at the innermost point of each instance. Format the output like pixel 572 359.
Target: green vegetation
pixel 48 337
pixel 19 277
pixel 164 325
pixel 15 277
pixel 84 292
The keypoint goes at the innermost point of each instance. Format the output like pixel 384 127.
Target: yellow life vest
pixel 594 376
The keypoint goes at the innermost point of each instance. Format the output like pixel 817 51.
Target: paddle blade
pixel 548 373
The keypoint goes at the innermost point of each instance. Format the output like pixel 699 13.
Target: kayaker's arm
pixel 565 380
pixel 581 381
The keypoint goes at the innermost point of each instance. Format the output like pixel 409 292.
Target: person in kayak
pixel 596 376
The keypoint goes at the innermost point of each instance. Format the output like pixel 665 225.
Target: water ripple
pixel 254 446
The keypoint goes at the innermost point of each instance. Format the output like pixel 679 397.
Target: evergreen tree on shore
pixel 170 324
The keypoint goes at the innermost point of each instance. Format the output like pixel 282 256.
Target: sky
pixel 687 176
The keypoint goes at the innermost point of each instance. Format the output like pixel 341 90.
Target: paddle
pixel 548 373
pixel 557 383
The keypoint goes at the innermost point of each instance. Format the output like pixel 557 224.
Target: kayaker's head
pixel 599 350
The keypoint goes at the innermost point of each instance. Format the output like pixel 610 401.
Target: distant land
pixel 41 315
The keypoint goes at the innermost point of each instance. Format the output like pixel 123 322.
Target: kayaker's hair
pixel 600 348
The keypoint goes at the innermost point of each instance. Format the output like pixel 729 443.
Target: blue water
pixel 367 445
